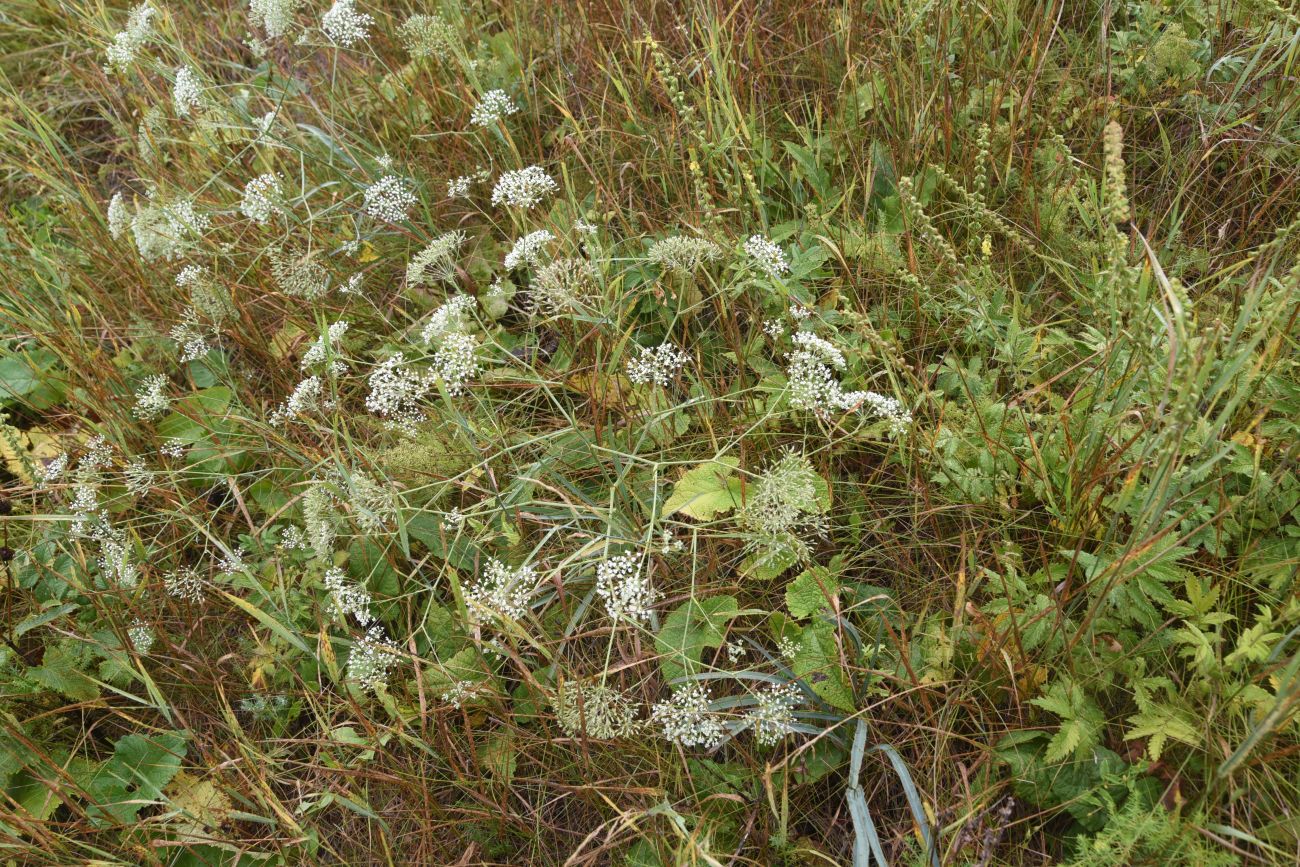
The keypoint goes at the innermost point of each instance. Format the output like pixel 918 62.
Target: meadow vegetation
pixel 650 433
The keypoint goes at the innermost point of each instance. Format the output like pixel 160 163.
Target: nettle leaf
pixel 817 663
pixel 134 777
pixel 706 491
pixel 810 591
pixel 693 626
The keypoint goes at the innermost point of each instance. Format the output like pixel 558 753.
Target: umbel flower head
pixel 187 91
pixel 625 589
pixel 127 43
pixel 373 656
pixel 784 507
pixel 389 199
pixel 658 365
pixel 344 25
pixel 275 16
pixel 262 196
pixel 683 255
pixel 437 261
pixel 495 105
pixel 426 35
pixel 346 598
pixel 686 720
pixel 528 249
pixel 166 230
pixel 523 188
pixel 772 719
pixel 814 385
pixel 562 285
pixel 595 710
pixel 767 256
pixel 500 593
pixel 151 399
pixel 450 317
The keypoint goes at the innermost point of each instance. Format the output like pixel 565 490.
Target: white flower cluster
pixel 523 188
pixel 127 43
pixel 232 561
pixel 173 447
pixel 306 397
pixel 300 276
pixel 426 35
pixel 814 386
pixel 528 249
pixel 766 255
pixel 184 584
pixel 187 91
pixel 115 561
pixel 141 637
pixel 190 336
pixel 396 392
pixel 500 593
pixel 495 105
pixel 685 719
pixel 373 656
pixel 151 399
pixel 783 507
pixel 389 199
pixel 437 261
pixel 448 318
pixel 262 196
pixel 344 25
pixel 683 255
pixel 346 598
pixel 206 296
pixel 459 693
pixel 458 187
pixel 658 365
pixel 772 719
pixel 562 285
pixel 119 217
pixel 138 477
pixel 164 231
pixel 456 361
pixel 325 347
pixel 276 16
pixel 626 591
pixel 595 710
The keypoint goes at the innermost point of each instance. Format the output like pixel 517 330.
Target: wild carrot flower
pixel 373 656
pixel 595 710
pixel 127 43
pixel 449 317
pixel 767 256
pixel 389 199
pixel 396 392
pixel 562 285
pixel 626 591
pixel 344 25
pixel 685 719
pixel 151 399
pixel 458 188
pixel 184 584
pixel 306 397
pixel 494 106
pixel 500 593
pixel 326 346
pixel 523 188
pixel 347 599
pixel 528 249
pixel 262 196
pixel 141 637
pixel 658 365
pixel 275 16
pixel 187 91
pixel 164 231
pixel 456 361
pixel 772 718
pixel 437 261
pixel 682 254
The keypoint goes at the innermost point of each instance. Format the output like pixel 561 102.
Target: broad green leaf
pixel 809 591
pixel 141 765
pixel 693 626
pixel 817 663
pixel 706 491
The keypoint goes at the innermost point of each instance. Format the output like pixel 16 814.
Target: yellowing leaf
pixel 706 491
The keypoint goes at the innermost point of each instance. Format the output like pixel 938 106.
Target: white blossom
pixel 437 261
pixel 151 399
pixel 275 16
pixel 523 188
pixel 184 584
pixel 426 35
pixel 625 589
pixel 766 255
pixel 347 598
pixel 595 710
pixel 685 719
pixel 141 637
pixel 528 249
pixel 262 197
pixel 344 25
pixel 458 188
pixel 683 255
pixel 119 217
pixel 389 199
pixel 449 317
pixel 658 365
pixel 326 346
pixel 494 106
pixel 773 717
pixel 187 91
pixel 373 656
pixel 396 392
pixel 127 43
pixel 500 593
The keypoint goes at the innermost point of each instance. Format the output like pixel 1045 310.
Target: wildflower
pixel 353 286
pixel 888 408
pixel 138 477
pixel 585 228
pixel 527 249
pixel 52 471
pixel 373 656
pixel 151 400
pixel 458 693
pixel 683 255
pixel 293 538
pixel 396 392
pixel 141 637
pixel 161 231
pixel 347 598
pixel 798 312
pixel 773 717
pixel 774 328
pixel 115 561
pixel 658 365
pixel 318 515
pixel 325 346
pixel 735 652
pixel 669 543
pixel 184 584
pixel 788 648
pixel 500 593
pixel 810 374
pixel 344 25
pixel 372 504
pixel 458 188
pixel 389 199
pixel 784 506
pixel 494 106
pixel 128 42
pixel 305 398
pixel 627 593
pixel 448 318
pixel 205 295
pixel 190 336
pixel 262 126
pixel 173 448
pixel 261 198
pixel 119 219
pixel 232 561
pixel 276 16
pixel 98 454
pixel 452 521
pixel 426 35
pixel 187 91
pixel 685 719
pixel 562 285
pixel 298 275
pixel 437 260
pixel 766 255
pixel 523 188
pixel 595 710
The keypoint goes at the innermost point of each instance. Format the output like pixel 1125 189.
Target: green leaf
pixel 59 671
pixel 809 591
pixel 141 765
pixel 1081 719
pixel 706 491
pixel 817 663
pixel 693 626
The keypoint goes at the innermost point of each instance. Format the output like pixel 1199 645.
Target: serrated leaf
pixel 809 591
pixel 134 777
pixel 202 804
pixel 817 663
pixel 706 491
pixel 693 626
pixel 59 671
